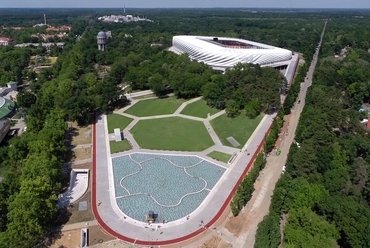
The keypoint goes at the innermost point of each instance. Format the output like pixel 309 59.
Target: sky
pixel 185 3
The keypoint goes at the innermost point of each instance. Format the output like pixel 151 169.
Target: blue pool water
pixel 171 186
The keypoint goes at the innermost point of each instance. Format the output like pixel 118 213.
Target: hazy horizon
pixel 283 4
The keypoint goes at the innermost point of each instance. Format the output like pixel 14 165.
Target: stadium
pixel 221 52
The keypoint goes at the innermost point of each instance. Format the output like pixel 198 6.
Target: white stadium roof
pixel 227 52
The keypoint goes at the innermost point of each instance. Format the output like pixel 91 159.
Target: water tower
pixel 102 41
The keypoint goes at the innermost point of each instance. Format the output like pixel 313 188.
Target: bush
pixel 246 187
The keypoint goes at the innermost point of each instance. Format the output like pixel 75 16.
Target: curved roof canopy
pixel 6 107
pixel 227 52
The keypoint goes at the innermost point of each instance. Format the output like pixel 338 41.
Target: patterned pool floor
pixel 172 186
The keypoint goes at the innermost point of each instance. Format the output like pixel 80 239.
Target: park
pixel 170 165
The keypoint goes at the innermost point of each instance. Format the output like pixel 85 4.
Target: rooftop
pixel 102 34
pixel 6 107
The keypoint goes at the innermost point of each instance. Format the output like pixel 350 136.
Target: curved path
pixel 118 225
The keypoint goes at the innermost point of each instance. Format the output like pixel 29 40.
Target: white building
pixel 222 52
pixel 4 41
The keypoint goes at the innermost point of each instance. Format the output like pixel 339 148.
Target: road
pixel 259 205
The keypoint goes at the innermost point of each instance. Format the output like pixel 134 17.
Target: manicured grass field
pixel 220 156
pixel 120 146
pixel 158 106
pixel 240 128
pixel 199 109
pixel 172 133
pixel 117 121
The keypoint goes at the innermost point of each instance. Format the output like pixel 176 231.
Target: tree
pixel 253 108
pixel 232 109
pixel 156 83
pixel 26 99
pixel 268 232
pixel 306 229
pixel 30 212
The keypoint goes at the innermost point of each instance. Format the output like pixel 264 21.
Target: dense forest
pixel 323 198
pixel 85 80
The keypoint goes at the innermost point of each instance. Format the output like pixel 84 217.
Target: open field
pixel 79 135
pixel 120 146
pixel 117 121
pixel 172 133
pixel 199 109
pixel 240 128
pixel 220 156
pixel 158 106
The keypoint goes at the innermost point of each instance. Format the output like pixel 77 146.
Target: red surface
pixel 166 242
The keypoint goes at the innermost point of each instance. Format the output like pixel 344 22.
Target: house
pixel 4 41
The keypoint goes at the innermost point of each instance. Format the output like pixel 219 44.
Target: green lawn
pixel 220 156
pixel 158 106
pixel 199 109
pixel 240 128
pixel 120 146
pixel 172 133
pixel 117 121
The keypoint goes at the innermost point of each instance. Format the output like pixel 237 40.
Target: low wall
pixel 65 199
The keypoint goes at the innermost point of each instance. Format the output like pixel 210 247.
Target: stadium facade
pixel 222 52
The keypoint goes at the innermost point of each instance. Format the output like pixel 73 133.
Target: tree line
pixel 324 195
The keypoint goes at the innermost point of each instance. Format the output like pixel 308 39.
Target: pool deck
pixel 110 217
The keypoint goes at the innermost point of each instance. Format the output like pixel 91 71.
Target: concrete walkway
pixel 183 105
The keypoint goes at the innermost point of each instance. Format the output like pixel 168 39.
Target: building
pixel 4 41
pixel 47 45
pixel 4 128
pixel 102 40
pixel 222 52
pixel 7 95
pixel 122 18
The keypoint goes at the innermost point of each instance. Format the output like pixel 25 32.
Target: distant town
pixel 122 18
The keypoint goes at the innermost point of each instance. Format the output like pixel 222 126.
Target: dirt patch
pixel 78 135
pixel 98 236
pixel 102 70
pixel 69 239
pixel 212 243
pixel 82 166
pixel 283 221
pixel 284 131
pixel 80 154
pixel 80 216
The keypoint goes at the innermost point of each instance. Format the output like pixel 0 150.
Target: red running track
pixel 166 242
